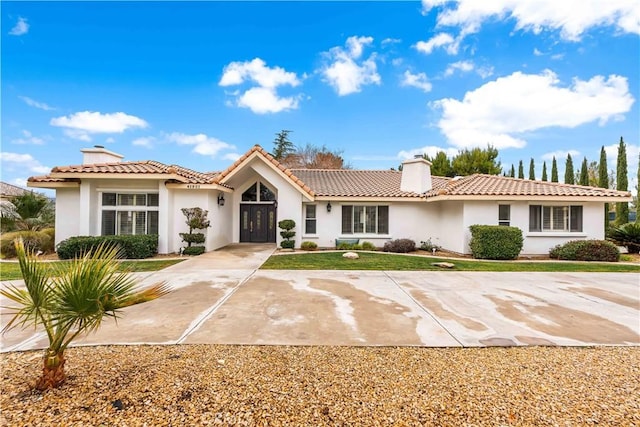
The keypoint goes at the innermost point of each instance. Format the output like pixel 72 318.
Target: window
pixel 265 194
pixel 504 215
pixel 310 219
pixel 129 213
pixel 555 218
pixel 365 219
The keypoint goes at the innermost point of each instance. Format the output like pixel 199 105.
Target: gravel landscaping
pixel 278 385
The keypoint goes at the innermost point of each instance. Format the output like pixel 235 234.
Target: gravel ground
pixel 277 385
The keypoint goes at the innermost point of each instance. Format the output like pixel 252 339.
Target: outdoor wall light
pixel 329 207
pixel 221 200
pixel 275 204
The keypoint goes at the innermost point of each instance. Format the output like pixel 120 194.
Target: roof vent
pixel 99 146
pixel 418 156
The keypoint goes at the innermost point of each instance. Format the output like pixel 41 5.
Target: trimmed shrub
pixel 33 241
pixel 192 237
pixel 309 246
pixel 368 246
pixel 193 250
pixel 586 250
pixel 131 247
pixel 344 246
pixel 495 241
pixel 288 244
pixel 287 225
pixel 287 234
pixel 399 246
pixel 627 235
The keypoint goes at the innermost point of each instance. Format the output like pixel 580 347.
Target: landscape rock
pixel 443 264
pixel 350 255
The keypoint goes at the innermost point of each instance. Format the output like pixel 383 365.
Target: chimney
pixel 99 154
pixel 416 175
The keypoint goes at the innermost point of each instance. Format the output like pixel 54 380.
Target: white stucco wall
pixel 67 213
pixel 450 229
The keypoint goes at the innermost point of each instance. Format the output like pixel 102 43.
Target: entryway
pixel 257 223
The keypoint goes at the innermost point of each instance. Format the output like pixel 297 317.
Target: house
pixel 106 195
pixel 9 191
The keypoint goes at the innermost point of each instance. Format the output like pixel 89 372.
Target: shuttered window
pixel 365 219
pixel 555 218
pixel 129 213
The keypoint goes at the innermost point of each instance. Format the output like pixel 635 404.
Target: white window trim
pixel 305 234
pixel 123 208
pixel 365 234
pixel 557 233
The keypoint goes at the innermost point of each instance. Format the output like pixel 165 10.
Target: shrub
pixel 51 232
pixel 428 246
pixel 399 246
pixel 287 244
pixel 309 246
pixel 627 235
pixel 193 250
pixel 287 225
pixel 495 241
pixel 368 246
pixel 344 246
pixel 192 237
pixel 586 250
pixel 33 241
pixel 131 247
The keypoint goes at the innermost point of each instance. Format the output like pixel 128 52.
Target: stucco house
pixel 106 195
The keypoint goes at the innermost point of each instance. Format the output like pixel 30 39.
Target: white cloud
pixel 80 125
pixel 28 138
pixel 344 72
pixel 429 150
pixel 20 182
pixel 20 28
pixel 420 80
pixel 145 141
pixel 500 111
pixel 110 140
pixel 390 40
pixel 232 157
pixel 202 144
pixel 570 17
pixel 632 158
pixel 537 52
pixel 263 98
pixel 560 155
pixel 15 161
pixel 36 104
pixel 468 66
pixel 439 40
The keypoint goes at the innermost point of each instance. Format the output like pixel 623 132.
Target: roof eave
pixel 59 184
pixel 603 199
pixel 117 175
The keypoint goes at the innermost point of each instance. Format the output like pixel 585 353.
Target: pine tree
pixel 512 173
pixel 544 171
pixel 638 193
pixel 584 173
pixel 282 147
pixel 603 182
pixel 622 183
pixel 520 170
pixel 554 170
pixel 532 170
pixel 569 175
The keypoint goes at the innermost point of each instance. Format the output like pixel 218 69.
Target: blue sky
pixel 198 84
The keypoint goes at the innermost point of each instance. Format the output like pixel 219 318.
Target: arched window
pixel 252 194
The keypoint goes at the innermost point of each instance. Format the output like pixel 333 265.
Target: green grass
pixel 386 261
pixel 11 270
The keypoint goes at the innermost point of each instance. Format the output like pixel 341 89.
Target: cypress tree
pixel 532 170
pixel 603 182
pixel 544 171
pixel 622 183
pixel 584 173
pixel 512 174
pixel 520 170
pixel 638 193
pixel 554 170
pixel 569 175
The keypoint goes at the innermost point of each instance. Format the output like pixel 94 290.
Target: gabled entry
pixel 258 214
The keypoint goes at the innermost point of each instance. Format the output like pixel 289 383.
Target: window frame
pixel 365 225
pixel 310 219
pixel 150 209
pixel 504 221
pixel 556 219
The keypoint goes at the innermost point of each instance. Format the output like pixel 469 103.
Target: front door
pixel 257 223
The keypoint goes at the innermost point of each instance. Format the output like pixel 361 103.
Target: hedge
pixel 399 246
pixel 131 247
pixel 309 246
pixel 193 250
pixel 495 241
pixel 586 250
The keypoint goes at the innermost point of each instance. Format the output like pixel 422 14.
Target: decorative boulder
pixel 443 264
pixel 350 255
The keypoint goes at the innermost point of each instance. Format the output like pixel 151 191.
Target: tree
pixel 544 171
pixel 282 147
pixel 584 173
pixel 314 157
pixel 622 183
pixel 520 170
pixel 476 160
pixel 196 220
pixel 603 182
pixel 440 164
pixel 569 175
pixel 554 170
pixel 72 301
pixel 28 211
pixel 532 170
pixel 512 173
pixel 638 193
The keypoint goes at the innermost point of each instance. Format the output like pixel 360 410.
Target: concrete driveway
pixel 221 297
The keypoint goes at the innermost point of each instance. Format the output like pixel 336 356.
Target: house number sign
pixel 193 186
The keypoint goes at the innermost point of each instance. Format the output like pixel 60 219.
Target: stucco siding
pixel 67 209
pixel 451 227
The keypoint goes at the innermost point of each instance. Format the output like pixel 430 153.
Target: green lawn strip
pixel 386 261
pixel 11 270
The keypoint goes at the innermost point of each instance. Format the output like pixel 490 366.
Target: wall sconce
pixel 329 207
pixel 221 200
pixel 275 204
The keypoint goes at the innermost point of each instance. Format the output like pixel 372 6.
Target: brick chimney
pixel 416 175
pixel 99 154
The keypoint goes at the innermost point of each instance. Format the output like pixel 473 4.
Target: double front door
pixel 257 223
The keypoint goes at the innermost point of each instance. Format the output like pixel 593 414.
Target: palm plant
pixel 626 235
pixel 73 301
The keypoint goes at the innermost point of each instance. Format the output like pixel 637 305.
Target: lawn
pixel 387 261
pixel 11 270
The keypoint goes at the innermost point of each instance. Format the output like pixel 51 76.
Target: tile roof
pixel 11 190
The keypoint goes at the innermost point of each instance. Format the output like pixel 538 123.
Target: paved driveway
pixel 222 298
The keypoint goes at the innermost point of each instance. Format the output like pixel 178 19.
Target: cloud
pixel 263 98
pixel 467 66
pixel 202 144
pixel 110 140
pixel 21 27
pixel 33 103
pixel 345 72
pixel 501 110
pixel 439 40
pixel 145 141
pixel 632 158
pixel 232 157
pixel 390 40
pixel 15 161
pixel 560 154
pixel 419 80
pixel 28 138
pixel 80 125
pixel 429 150
pixel 537 52
pixel 572 18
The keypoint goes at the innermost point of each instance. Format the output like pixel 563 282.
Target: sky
pixel 199 83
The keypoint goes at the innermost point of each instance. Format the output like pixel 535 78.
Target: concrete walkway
pixel 222 298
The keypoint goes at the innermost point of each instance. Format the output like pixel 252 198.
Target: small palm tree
pixel 71 301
